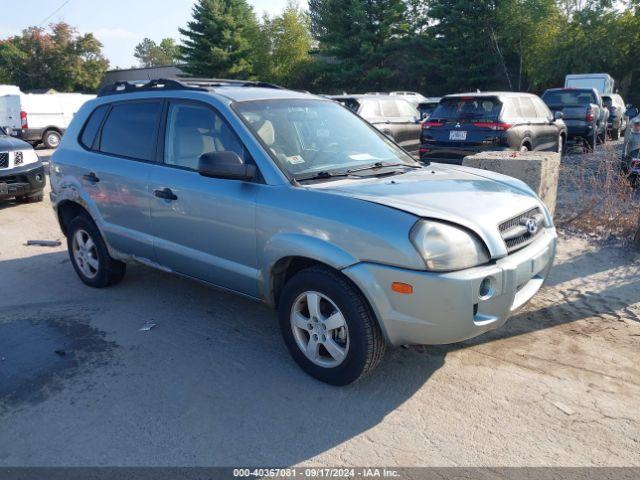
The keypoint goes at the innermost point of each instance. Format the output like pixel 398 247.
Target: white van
pixel 39 118
pixel 602 82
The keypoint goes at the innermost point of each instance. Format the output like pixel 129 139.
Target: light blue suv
pixel 293 200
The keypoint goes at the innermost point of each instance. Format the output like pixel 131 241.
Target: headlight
pixel 445 247
pixel 28 156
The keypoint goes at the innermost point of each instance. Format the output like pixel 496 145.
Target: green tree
pixel 151 54
pixel 463 38
pixel 57 58
pixel 219 41
pixel 362 36
pixel 290 42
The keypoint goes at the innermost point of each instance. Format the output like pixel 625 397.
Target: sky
pixel 119 24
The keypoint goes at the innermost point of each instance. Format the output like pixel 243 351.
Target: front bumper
pixel 446 307
pixel 25 180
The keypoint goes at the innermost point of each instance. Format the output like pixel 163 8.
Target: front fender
pixel 284 245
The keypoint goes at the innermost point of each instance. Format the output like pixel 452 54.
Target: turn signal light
pixel 400 287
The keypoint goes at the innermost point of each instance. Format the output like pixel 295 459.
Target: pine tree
pixel 219 40
pixel 464 42
pixel 362 36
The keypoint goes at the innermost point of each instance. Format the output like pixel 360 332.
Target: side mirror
pixel 226 165
pixel 558 115
pixel 631 112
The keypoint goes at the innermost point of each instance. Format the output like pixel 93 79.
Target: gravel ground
pixel 212 383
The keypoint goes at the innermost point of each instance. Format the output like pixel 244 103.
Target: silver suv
pixel 294 200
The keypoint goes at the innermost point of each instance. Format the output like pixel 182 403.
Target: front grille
pixel 520 231
pixel 17 159
pixel 4 159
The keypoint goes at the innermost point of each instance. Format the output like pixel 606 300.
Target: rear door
pixel 400 119
pixel 206 229
pixel 120 144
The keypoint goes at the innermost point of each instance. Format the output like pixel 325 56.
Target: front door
pixel 203 227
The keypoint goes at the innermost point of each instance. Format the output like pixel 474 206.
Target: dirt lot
pixel 212 384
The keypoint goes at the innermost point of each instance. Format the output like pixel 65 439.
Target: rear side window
pixel 471 108
pixel 92 126
pixel 130 130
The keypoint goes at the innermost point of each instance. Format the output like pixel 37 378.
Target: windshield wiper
pixel 379 165
pixel 323 175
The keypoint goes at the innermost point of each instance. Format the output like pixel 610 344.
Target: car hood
pixel 9 144
pixel 479 200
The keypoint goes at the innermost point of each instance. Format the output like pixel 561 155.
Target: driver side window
pixel 196 129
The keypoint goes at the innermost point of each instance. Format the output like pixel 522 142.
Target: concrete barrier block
pixel 539 170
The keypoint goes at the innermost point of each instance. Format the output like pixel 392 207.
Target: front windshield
pixel 306 137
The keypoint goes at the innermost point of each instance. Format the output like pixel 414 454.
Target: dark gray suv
pixel 469 123
pixel 392 115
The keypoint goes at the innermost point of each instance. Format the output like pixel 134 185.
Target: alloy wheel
pixel 85 253
pixel 319 329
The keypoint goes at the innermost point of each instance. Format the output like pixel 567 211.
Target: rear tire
pixel 312 303
pixel 51 139
pixel 89 255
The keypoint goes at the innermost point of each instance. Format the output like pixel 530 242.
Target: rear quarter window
pixel 92 125
pixel 130 130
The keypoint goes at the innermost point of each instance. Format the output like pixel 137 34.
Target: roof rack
pixel 145 86
pixel 194 84
pixel 221 82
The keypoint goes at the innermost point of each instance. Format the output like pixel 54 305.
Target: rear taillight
pixel 429 124
pixel 589 117
pixel 497 126
pixel 23 120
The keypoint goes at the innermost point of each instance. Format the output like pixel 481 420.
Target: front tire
pixel 328 327
pixel 89 255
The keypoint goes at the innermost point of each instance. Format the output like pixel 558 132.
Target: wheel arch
pixel 288 253
pixel 67 210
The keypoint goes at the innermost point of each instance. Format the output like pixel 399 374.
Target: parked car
pixel 630 159
pixel 603 83
pixel 617 122
pixel 293 200
pixel 427 107
pixel 39 118
pixel 583 112
pixel 21 171
pixel 468 123
pixel 413 98
pixel 393 116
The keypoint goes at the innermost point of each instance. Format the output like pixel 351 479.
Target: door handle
pixel 91 177
pixel 165 194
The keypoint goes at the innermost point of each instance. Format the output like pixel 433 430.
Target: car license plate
pixel 4 189
pixel 457 135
